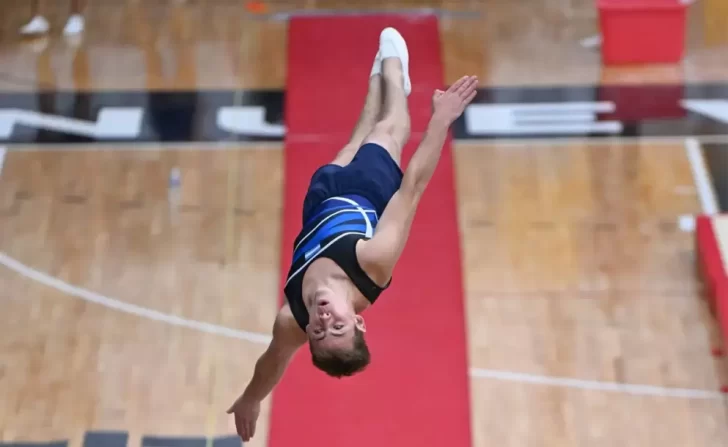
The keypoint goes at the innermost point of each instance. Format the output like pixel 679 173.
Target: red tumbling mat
pixel 415 392
pixel 712 266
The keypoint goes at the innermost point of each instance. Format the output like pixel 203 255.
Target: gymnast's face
pixel 331 321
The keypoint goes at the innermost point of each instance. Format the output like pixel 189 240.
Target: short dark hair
pixel 343 362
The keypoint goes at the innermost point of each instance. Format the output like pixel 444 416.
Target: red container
pixel 642 31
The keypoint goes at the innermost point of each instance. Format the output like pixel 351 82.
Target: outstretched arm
pixel 446 108
pixel 269 369
pixel 379 255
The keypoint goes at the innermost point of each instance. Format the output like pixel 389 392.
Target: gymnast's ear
pixel 360 324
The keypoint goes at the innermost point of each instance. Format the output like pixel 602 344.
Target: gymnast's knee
pixel 386 135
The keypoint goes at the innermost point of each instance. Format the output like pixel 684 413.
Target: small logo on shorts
pixel 312 252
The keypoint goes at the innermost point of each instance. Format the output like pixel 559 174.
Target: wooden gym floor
pixel 578 275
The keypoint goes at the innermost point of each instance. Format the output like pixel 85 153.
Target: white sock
pixel 388 49
pixel 392 44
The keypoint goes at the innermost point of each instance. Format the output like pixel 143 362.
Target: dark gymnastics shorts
pixel 372 174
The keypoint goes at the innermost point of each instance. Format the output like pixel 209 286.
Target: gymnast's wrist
pixel 439 121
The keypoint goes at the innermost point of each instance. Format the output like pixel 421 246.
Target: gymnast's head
pixel 336 335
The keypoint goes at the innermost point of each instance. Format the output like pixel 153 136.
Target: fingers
pixel 245 431
pixel 241 425
pixel 471 96
pixel 467 86
pixel 251 429
pixel 245 427
pixel 231 410
pixel 458 84
pixel 241 428
pixel 463 87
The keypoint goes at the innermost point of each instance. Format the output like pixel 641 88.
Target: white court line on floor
pixel 593 385
pixel 589 141
pixel 128 308
pixel 706 193
pixel 87 295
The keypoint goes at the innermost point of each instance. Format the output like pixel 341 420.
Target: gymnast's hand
pixel 450 104
pixel 246 412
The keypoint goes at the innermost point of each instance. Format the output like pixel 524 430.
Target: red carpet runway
pixel 415 393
